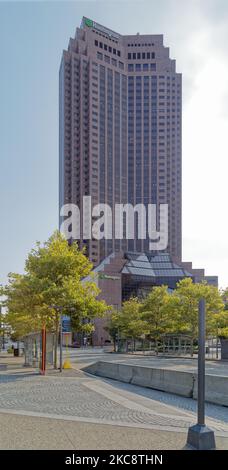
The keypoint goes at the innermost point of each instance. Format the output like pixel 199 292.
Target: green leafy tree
pixel 220 324
pixel 224 295
pixel 52 285
pixel 113 326
pixel 132 325
pixel 187 297
pixel 127 323
pixel 157 312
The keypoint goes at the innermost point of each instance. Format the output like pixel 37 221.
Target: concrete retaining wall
pixel 171 381
pixel 178 382
pixel 216 389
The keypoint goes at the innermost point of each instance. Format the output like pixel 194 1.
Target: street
pixel 82 357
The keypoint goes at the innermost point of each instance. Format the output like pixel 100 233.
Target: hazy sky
pixel 32 37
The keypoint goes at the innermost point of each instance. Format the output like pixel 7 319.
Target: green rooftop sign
pixel 99 27
pixel 89 22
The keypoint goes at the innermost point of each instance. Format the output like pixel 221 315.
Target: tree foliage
pixel 156 311
pixel 52 285
pixel 188 295
pixel 171 312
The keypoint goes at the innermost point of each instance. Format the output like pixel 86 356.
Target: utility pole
pixel 200 437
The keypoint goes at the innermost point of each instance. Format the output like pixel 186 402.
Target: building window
pixel 114 51
pixel 99 55
pixel 130 67
pixel 105 47
pixel 107 59
pixel 138 67
pixel 148 55
pixel 109 49
pixel 152 55
pixel 138 55
pixel 114 62
pixel 153 67
pixel 143 55
pixel 121 65
pixel 96 42
pixel 101 45
pixel 129 55
pixel 145 67
pixel 134 55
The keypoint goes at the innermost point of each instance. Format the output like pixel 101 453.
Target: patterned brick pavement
pixel 95 400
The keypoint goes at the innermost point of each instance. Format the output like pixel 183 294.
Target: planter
pixel 224 348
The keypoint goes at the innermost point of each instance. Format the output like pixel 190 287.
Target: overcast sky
pixel 32 37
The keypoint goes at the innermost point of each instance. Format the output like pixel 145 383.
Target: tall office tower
pixel 120 128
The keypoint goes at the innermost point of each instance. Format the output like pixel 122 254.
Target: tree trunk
pixel 56 343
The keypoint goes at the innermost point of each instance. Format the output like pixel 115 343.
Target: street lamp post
pixel 201 437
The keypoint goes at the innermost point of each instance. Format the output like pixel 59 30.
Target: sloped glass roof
pixel 147 265
pixel 158 265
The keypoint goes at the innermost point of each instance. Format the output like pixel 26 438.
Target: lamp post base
pixel 200 437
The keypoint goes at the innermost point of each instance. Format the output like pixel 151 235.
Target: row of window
pixel 104 36
pixel 139 55
pixel 111 60
pixel 141 67
pixel 139 45
pixel 107 48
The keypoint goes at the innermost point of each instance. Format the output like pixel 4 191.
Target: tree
pixel 188 295
pixel 113 326
pixel 224 295
pixel 157 312
pixel 52 285
pixel 127 323
pixel 132 324
pixel 24 313
pixel 220 324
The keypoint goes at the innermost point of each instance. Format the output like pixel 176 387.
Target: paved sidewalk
pixel 10 361
pixel 27 432
pixel 95 412
pixel 76 410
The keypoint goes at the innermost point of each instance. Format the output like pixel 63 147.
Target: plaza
pixel 77 410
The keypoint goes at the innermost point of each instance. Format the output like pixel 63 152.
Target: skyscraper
pixel 120 128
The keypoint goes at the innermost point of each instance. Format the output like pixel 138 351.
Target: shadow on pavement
pixel 13 377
